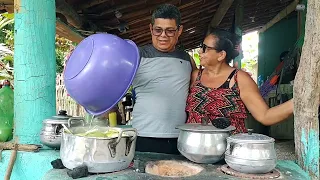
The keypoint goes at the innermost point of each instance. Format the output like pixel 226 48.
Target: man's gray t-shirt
pixel 161 86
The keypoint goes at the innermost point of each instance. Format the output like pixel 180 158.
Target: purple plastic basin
pixel 100 71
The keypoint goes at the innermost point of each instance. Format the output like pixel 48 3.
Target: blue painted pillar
pixel 35 67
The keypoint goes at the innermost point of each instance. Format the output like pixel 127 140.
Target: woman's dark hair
pixel 226 41
pixel 166 11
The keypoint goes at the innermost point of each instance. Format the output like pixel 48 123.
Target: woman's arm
pixel 253 100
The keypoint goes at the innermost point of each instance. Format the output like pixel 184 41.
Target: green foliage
pixel 6 46
pixel 59 61
pixel 249 64
pixel 250 51
pixel 7 29
pixel 196 58
pixel 63 47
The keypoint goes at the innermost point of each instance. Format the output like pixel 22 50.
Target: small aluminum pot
pixel 50 134
pixel 100 155
pixel 251 153
pixel 203 143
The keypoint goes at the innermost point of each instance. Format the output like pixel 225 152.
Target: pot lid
pixel 62 116
pixel 198 127
pixel 250 138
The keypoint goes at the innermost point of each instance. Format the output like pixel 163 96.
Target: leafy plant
pixel 6 47
pixel 249 64
pixel 59 60
pixel 7 29
pixel 6 71
pixel 196 58
pixel 63 47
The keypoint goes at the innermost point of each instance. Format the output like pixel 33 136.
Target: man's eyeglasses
pixel 156 31
pixel 205 47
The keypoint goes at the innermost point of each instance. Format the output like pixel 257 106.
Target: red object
pixel 131 164
pixel 6 82
pixel 218 102
pixel 274 79
pixel 279 67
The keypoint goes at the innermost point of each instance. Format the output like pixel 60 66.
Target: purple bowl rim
pixel 87 38
pixel 125 91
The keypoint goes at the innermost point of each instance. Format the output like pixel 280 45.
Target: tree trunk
pixel 306 94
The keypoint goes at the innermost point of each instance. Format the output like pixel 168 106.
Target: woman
pixel 218 90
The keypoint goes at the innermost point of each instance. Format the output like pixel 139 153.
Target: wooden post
pixel 307 93
pixel 220 13
pixel 35 67
pixel 238 28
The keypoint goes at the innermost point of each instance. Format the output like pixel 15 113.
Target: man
pixel 161 84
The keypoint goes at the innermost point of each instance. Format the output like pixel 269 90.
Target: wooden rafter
pixel 91 3
pixel 119 8
pixel 282 14
pixel 220 13
pixel 7 5
pixel 72 16
pixel 67 32
pixel 91 16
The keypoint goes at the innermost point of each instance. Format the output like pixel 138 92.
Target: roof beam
pixel 7 5
pixel 91 3
pixel 220 13
pixel 120 8
pixel 72 16
pixel 282 14
pixel 66 31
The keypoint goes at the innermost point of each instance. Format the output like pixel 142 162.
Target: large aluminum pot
pixel 251 153
pixel 100 155
pixel 203 143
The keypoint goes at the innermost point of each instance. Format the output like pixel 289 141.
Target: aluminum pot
pixel 100 155
pixel 251 153
pixel 203 143
pixel 50 134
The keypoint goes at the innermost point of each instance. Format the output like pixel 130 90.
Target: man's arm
pixel 193 64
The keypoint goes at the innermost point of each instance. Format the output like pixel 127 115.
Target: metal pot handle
pixel 70 120
pixel 113 144
pixel 125 130
pixel 227 149
pixel 57 129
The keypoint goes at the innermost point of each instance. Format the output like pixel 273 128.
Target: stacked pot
pixel 50 134
pixel 251 153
